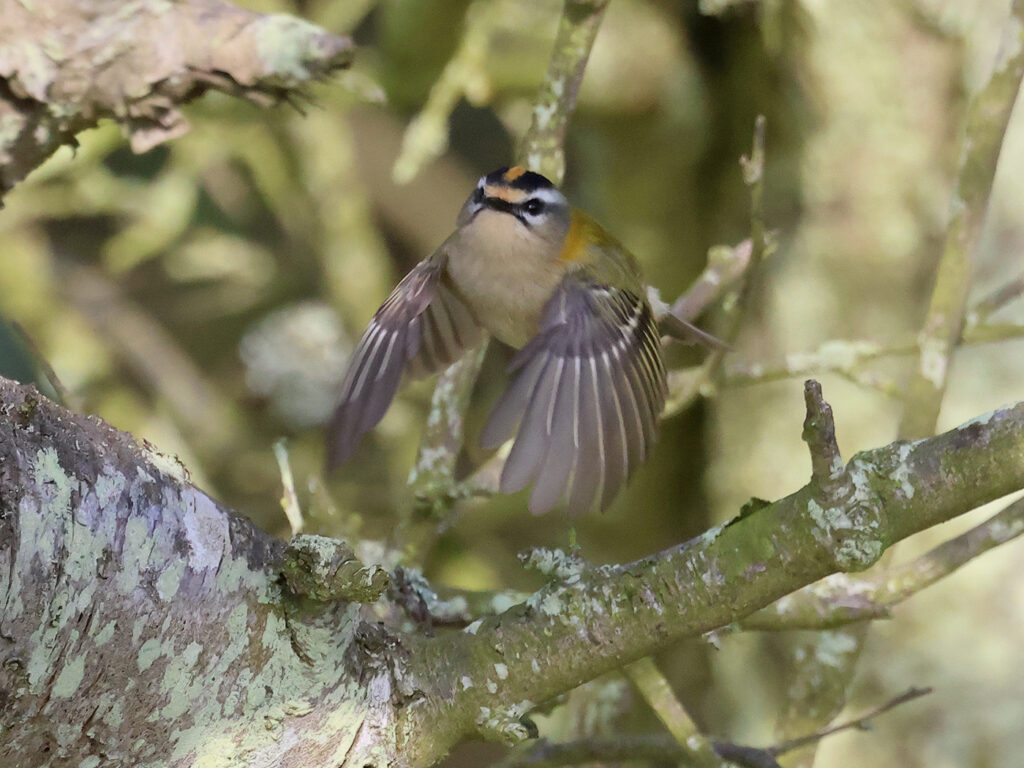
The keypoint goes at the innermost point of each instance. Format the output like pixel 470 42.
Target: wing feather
pixel 420 328
pixel 586 395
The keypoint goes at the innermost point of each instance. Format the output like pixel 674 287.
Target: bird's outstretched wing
pixel 421 328
pixel 586 397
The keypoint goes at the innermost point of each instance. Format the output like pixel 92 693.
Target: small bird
pixel 588 381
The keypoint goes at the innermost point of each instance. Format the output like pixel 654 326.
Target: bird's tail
pixel 687 333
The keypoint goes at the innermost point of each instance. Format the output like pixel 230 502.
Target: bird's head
pixel 526 202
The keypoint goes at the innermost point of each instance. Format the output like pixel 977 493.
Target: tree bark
pixel 65 65
pixel 145 625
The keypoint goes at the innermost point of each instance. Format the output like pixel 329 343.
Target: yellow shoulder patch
pixel 577 237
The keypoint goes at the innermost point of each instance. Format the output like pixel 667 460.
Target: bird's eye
pixel 533 206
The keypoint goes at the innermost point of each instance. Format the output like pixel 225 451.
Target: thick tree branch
pixel 116 574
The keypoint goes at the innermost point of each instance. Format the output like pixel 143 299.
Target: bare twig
pixel 860 723
pixel 687 388
pixel 289 499
pixel 820 435
pixel 628 748
pixel 753 176
pixel 725 265
pixel 996 300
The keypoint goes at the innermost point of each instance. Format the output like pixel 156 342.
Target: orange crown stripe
pixel 514 173
pixel 508 194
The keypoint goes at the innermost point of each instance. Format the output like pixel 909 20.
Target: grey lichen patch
pixel 169 580
pixel 832 648
pixel 149 652
pixel 504 723
pixel 326 569
pixel 849 523
pixel 53 483
pixel 545 601
pixel 206 530
pixel 70 677
pixel 901 474
pixel 554 563
pixel 106 633
pixel 289 49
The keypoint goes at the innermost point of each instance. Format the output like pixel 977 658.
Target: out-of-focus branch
pixel 154 58
pixel 823 687
pixel 845 357
pixel 987 118
pixel 725 266
pixel 542 147
pixel 996 300
pixel 210 420
pixel 426 136
pixel 655 688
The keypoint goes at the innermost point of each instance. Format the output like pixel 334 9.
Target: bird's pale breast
pixel 504 275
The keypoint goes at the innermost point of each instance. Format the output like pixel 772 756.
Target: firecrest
pixel 588 382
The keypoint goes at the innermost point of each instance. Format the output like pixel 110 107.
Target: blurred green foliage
pixel 205 296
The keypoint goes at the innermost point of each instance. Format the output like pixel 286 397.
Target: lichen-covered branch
pixel 542 148
pixel 64 66
pixel 108 552
pixel 841 599
pixel 145 625
pixel 583 624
